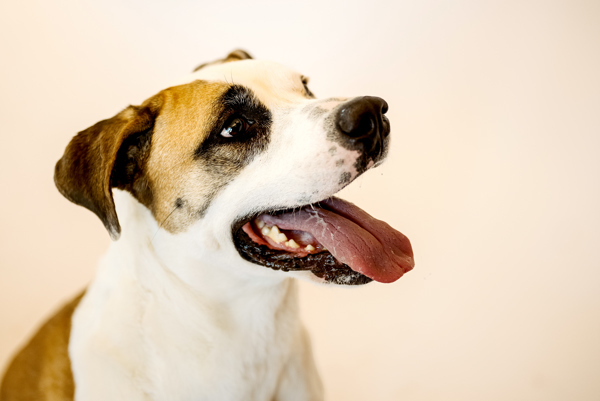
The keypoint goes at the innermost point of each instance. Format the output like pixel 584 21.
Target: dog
pixel 220 194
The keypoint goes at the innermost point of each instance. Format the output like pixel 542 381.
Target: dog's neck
pixel 164 263
pixel 241 320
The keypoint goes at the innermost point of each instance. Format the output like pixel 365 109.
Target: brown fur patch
pixel 188 114
pixel 41 371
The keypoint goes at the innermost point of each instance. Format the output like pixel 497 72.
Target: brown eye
pixel 234 127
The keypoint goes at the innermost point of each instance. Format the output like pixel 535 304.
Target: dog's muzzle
pixel 362 123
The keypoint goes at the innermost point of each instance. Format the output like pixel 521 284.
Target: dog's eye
pixel 235 127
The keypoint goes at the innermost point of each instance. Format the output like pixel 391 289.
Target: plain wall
pixel 494 174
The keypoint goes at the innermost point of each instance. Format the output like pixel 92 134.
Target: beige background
pixel 494 174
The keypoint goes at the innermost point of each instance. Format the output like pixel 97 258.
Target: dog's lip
pixel 240 222
pixel 354 238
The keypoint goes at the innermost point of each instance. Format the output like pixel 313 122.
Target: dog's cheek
pixel 179 204
pixel 185 199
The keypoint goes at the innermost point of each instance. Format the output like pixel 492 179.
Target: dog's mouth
pixel 334 239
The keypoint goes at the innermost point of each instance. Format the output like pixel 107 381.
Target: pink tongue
pixel 367 245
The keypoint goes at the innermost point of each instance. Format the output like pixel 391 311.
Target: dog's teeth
pixel 277 235
pixel 260 224
pixel 309 247
pixel 292 244
pixel 265 230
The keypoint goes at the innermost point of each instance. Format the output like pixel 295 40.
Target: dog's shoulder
pixel 42 369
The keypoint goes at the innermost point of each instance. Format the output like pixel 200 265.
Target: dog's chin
pixel 321 264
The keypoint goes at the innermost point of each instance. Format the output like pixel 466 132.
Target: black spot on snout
pixel 316 113
pixel 345 178
pixel 179 203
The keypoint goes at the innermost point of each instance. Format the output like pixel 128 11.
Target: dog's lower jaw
pixel 141 332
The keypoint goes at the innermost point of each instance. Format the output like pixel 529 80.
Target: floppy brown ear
pixel 235 55
pixel 109 154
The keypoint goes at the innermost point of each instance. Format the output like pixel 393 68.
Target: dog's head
pixel 240 165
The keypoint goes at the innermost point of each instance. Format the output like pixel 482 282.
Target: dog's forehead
pixel 272 83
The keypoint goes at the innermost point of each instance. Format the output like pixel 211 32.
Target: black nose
pixel 362 120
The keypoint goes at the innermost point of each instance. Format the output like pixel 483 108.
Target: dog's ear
pixel 235 55
pixel 111 153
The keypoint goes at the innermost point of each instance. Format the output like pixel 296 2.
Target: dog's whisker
pixel 161 224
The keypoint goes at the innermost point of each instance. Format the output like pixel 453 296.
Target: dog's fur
pixel 174 312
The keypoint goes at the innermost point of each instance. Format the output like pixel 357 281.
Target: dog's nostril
pixel 384 107
pixel 366 126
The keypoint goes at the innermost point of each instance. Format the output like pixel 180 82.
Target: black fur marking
pixel 345 178
pixel 237 151
pixel 179 203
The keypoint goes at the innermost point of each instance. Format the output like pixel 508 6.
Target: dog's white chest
pixel 165 342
